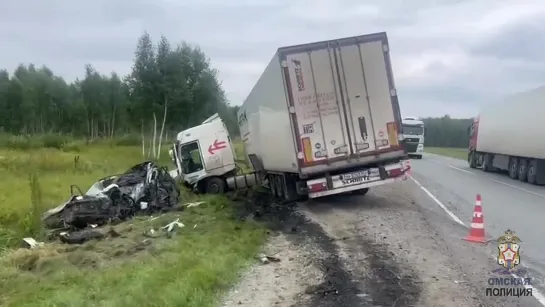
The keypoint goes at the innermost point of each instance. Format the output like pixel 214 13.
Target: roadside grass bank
pixel 190 269
pixel 457 153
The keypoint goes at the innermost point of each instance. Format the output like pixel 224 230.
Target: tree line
pixel 169 88
pixel 174 85
pixel 446 131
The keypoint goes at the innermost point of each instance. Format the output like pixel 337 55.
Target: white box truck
pixel 322 119
pixel 510 136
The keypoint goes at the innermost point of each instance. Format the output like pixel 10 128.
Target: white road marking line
pixel 452 166
pixel 536 294
pixel 438 202
pixel 520 189
pixel 460 169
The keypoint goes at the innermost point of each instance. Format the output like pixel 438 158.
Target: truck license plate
pixel 354 178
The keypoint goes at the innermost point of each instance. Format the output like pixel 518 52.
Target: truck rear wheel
pixel 513 168
pixel 279 186
pixel 290 192
pixel 272 185
pixel 275 185
pixel 472 160
pixel 487 163
pixel 532 171
pixel 523 170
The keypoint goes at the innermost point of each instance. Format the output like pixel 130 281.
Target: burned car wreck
pixel 144 188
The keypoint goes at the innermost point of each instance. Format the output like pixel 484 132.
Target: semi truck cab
pixel 413 132
pixel 204 156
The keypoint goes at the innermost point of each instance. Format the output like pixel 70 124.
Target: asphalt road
pixel 395 246
pixel 399 245
pixel 506 203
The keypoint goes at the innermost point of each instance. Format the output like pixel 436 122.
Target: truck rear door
pixel 317 105
pixel 342 98
pixel 371 115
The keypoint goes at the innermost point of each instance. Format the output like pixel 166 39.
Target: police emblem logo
pixel 509 250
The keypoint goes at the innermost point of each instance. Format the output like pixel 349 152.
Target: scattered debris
pixel 196 204
pixel 170 226
pixel 113 233
pixel 82 236
pixel 151 233
pixel 31 243
pixel 267 259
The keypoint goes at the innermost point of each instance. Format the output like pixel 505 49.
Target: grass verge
pixel 190 269
pixel 458 153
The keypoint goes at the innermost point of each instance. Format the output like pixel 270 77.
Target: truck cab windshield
pixel 413 130
pixel 191 158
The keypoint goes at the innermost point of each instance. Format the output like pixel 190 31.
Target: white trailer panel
pixel 515 126
pixel 325 106
pixel 264 122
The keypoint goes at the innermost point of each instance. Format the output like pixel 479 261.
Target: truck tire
pixel 272 185
pixel 523 170
pixel 290 191
pixel 487 163
pixel 279 183
pixel 472 160
pixel 215 185
pixel 513 168
pixel 532 172
pixel 361 192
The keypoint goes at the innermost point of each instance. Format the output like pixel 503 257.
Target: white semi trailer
pixel 510 136
pixel 322 119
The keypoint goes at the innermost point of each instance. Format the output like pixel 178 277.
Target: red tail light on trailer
pixel 318 187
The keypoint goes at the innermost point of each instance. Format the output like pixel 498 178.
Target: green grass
pixel 190 269
pixel 458 153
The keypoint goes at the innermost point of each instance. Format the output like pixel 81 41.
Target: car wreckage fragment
pixel 145 187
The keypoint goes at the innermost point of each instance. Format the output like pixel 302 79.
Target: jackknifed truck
pixel 322 119
pixel 509 136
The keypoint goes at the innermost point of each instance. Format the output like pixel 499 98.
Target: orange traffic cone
pixel 476 232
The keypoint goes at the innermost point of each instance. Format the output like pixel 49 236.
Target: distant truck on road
pixel 413 132
pixel 510 137
pixel 322 119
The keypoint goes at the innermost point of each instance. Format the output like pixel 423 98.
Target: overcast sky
pixel 449 56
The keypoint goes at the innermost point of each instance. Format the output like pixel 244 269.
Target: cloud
pixel 450 56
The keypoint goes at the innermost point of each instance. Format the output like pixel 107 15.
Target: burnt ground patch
pixel 386 285
pixel 390 284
